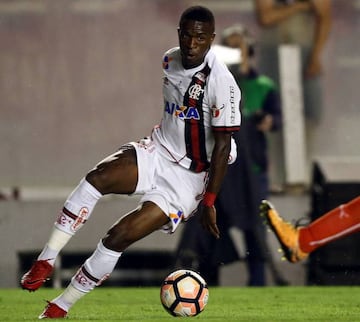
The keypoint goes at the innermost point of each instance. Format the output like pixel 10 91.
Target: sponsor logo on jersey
pixel 166 62
pixel 195 91
pixel 182 112
pixel 215 111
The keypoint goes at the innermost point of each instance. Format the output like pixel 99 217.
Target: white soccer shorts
pixel 176 190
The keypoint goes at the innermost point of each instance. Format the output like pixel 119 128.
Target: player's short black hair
pixel 198 13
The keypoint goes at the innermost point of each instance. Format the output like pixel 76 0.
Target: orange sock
pixel 337 223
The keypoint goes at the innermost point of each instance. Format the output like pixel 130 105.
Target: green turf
pixel 270 304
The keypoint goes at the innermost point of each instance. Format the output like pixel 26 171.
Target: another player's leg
pixel 337 223
pixel 286 233
pixel 115 174
pixel 132 227
pixel 297 243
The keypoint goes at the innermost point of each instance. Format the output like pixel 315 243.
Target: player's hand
pixel 208 220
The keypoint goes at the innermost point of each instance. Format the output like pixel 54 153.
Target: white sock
pixel 68 298
pixel 58 239
pixel 102 262
pixel 77 210
pixel 95 270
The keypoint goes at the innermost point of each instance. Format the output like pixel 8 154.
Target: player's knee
pixel 119 238
pixel 100 179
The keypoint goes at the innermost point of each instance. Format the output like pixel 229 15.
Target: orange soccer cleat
pixel 286 233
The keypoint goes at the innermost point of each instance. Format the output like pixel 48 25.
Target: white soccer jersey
pixel 197 102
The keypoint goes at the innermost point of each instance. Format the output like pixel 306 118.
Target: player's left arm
pixel 217 171
pixel 225 120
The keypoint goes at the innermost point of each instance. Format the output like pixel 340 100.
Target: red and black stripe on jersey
pixel 195 129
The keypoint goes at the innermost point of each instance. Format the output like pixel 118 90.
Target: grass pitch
pixel 268 304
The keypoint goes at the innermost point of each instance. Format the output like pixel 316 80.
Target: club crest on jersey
pixel 215 111
pixel 166 62
pixel 195 91
pixel 182 112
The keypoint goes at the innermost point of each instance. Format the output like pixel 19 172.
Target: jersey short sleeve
pixel 224 95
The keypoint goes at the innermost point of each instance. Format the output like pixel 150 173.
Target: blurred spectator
pixel 261 113
pixel 260 104
pixel 305 23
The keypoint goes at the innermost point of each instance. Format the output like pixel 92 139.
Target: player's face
pixel 195 39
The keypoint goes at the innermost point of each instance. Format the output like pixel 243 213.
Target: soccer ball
pixel 184 293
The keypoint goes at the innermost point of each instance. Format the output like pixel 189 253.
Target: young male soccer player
pixel 297 243
pixel 191 146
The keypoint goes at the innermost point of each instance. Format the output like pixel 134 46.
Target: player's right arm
pixel 217 171
pixel 224 122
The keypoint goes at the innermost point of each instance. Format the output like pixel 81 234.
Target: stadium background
pixel 79 78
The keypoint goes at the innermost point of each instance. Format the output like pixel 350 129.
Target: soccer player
pixel 182 163
pixel 298 242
